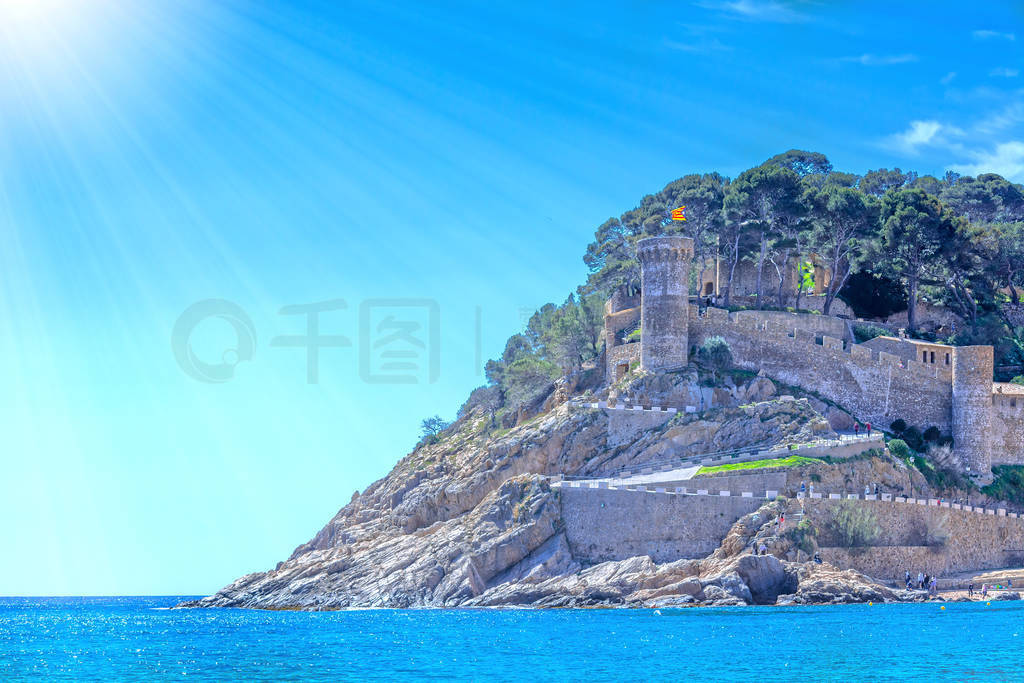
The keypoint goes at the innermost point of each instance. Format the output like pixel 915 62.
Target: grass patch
pixel 1008 484
pixel 791 461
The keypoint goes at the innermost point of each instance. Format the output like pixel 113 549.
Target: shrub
pixel 854 525
pixel 715 354
pixel 802 536
pixel 899 448
pixel 863 332
pixel 898 426
pixel 912 435
pixel 1008 483
pixel 932 434
pixel 1019 379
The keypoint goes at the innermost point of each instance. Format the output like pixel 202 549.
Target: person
pixel 867 490
pixel 763 550
pixel 906 577
pixel 803 487
pixel 856 429
pixel 811 489
pixel 868 428
pixel 927 581
pixel 984 590
pixel 935 586
pixel 970 589
pixel 876 489
pixel 920 580
pixel 817 558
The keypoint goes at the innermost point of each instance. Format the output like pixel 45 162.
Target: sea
pixel 139 638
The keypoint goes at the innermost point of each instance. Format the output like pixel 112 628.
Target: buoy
pixel 988 603
pixel 870 604
pixel 943 607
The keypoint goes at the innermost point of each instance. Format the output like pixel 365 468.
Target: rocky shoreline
pixel 474 521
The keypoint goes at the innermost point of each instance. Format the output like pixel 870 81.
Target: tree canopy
pixel 889 238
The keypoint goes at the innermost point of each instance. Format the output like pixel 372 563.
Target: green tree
pixel 765 201
pixel 715 354
pixel 1004 251
pixel 989 198
pixel 702 195
pixel 431 427
pixel 915 226
pixel 844 221
pixel 878 183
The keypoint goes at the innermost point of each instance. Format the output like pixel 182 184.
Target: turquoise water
pixel 130 638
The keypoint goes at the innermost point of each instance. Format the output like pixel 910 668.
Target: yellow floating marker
pixel 870 604
pixel 988 603
pixel 942 607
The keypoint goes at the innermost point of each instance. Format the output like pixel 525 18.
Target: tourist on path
pixel 868 428
pixel 856 429
pixel 920 580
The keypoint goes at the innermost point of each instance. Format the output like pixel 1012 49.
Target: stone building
pixel 885 379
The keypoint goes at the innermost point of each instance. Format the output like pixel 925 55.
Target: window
pixel 933 356
pixel 924 356
pixel 947 359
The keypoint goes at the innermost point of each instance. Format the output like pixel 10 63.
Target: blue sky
pixel 154 155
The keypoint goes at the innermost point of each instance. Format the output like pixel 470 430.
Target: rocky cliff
pixel 473 520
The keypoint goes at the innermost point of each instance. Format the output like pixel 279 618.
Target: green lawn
pixel 791 461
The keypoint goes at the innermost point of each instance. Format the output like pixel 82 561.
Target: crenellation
pixel 888 378
pixel 832 343
pixel 889 359
pixel 860 352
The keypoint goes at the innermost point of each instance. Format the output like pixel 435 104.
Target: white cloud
pixel 757 10
pixel 868 59
pixel 1005 72
pixel 1009 116
pixel 948 78
pixel 918 134
pixel 1006 159
pixel 987 35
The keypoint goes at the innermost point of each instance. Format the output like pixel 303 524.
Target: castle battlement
pixel 888 378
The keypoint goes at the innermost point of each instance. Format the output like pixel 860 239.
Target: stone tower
pixel 972 408
pixel 664 301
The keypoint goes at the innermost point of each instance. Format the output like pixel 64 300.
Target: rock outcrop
pixel 473 520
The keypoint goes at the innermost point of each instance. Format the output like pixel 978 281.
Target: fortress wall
pixel 613 524
pixel 818 324
pixel 756 483
pixel 621 301
pixel 615 322
pixel 1007 430
pixel 974 541
pixel 875 389
pixel 617 355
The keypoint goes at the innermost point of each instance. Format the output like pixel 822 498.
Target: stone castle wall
pixel 1008 427
pixel 972 407
pixel 665 301
pixel 973 542
pixel 875 387
pixel 616 524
